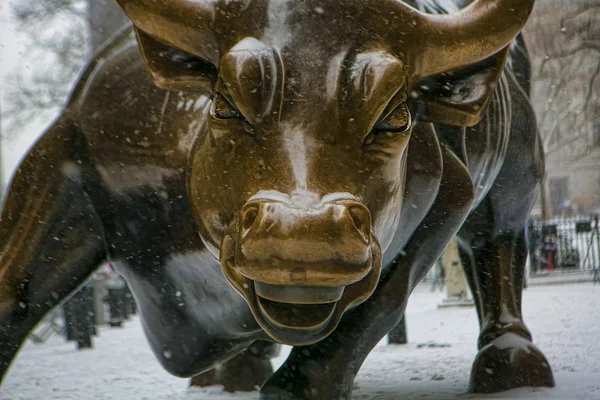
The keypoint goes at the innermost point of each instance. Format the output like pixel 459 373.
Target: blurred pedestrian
pixel 439 276
pixel 533 240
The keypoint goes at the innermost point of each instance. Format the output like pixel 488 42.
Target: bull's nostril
pixel 249 215
pixel 362 219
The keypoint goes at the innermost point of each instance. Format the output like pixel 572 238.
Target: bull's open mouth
pixel 308 318
pixel 298 294
pixel 307 309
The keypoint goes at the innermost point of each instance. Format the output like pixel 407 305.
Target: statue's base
pixel 456 302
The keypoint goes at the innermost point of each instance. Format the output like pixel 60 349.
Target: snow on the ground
pixel 564 319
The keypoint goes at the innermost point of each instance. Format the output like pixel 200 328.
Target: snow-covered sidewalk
pixel 565 321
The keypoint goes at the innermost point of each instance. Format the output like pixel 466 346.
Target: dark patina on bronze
pixel 315 157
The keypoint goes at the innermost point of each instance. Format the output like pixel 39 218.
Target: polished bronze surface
pixel 313 157
pixel 245 372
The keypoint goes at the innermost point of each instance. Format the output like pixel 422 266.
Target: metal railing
pixel 564 244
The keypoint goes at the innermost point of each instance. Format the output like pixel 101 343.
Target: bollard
pixel 130 306
pixel 116 307
pixel 398 335
pixel 86 315
pixel 79 317
pixel 90 314
pixel 99 318
pixel 68 312
pixel 85 318
pixel 116 300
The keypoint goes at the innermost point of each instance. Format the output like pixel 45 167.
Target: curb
pixel 558 281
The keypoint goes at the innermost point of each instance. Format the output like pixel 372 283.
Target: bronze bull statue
pixel 288 171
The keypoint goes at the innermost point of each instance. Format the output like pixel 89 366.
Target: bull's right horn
pixel 184 24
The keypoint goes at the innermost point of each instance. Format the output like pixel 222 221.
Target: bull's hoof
pixel 243 373
pixel 509 362
pixel 305 381
pixel 275 393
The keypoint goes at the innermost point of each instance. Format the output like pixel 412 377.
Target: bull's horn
pixel 469 35
pixel 184 24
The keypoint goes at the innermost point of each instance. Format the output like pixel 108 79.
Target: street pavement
pixel 561 278
pixel 564 320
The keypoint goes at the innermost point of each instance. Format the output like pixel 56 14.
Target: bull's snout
pixel 324 244
pixel 301 261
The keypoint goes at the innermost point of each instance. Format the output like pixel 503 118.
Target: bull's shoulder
pixel 506 133
pixel 124 116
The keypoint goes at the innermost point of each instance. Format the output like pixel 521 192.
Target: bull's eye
pixel 222 109
pixel 390 127
pixel 397 121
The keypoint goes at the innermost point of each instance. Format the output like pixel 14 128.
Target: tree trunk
pixel 545 199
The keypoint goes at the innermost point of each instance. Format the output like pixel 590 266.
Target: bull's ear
pixel 174 69
pixel 460 97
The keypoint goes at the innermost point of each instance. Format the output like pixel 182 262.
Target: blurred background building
pixel 563 37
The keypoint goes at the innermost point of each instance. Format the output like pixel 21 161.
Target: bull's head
pixel 298 182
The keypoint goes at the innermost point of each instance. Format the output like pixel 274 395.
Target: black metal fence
pixel 565 244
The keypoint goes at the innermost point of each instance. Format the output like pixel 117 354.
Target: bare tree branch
pixel 583 9
pixel 590 93
pixel 62 35
pixel 58 43
pixel 564 40
pixel 39 12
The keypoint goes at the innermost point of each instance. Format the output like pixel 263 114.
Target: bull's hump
pixel 125 117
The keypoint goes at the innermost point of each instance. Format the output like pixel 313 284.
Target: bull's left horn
pixel 469 35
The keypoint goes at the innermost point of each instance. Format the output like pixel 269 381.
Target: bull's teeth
pixel 298 294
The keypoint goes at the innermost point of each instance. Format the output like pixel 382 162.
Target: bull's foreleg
pixel 245 372
pixel 493 256
pixel 50 238
pixel 326 370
